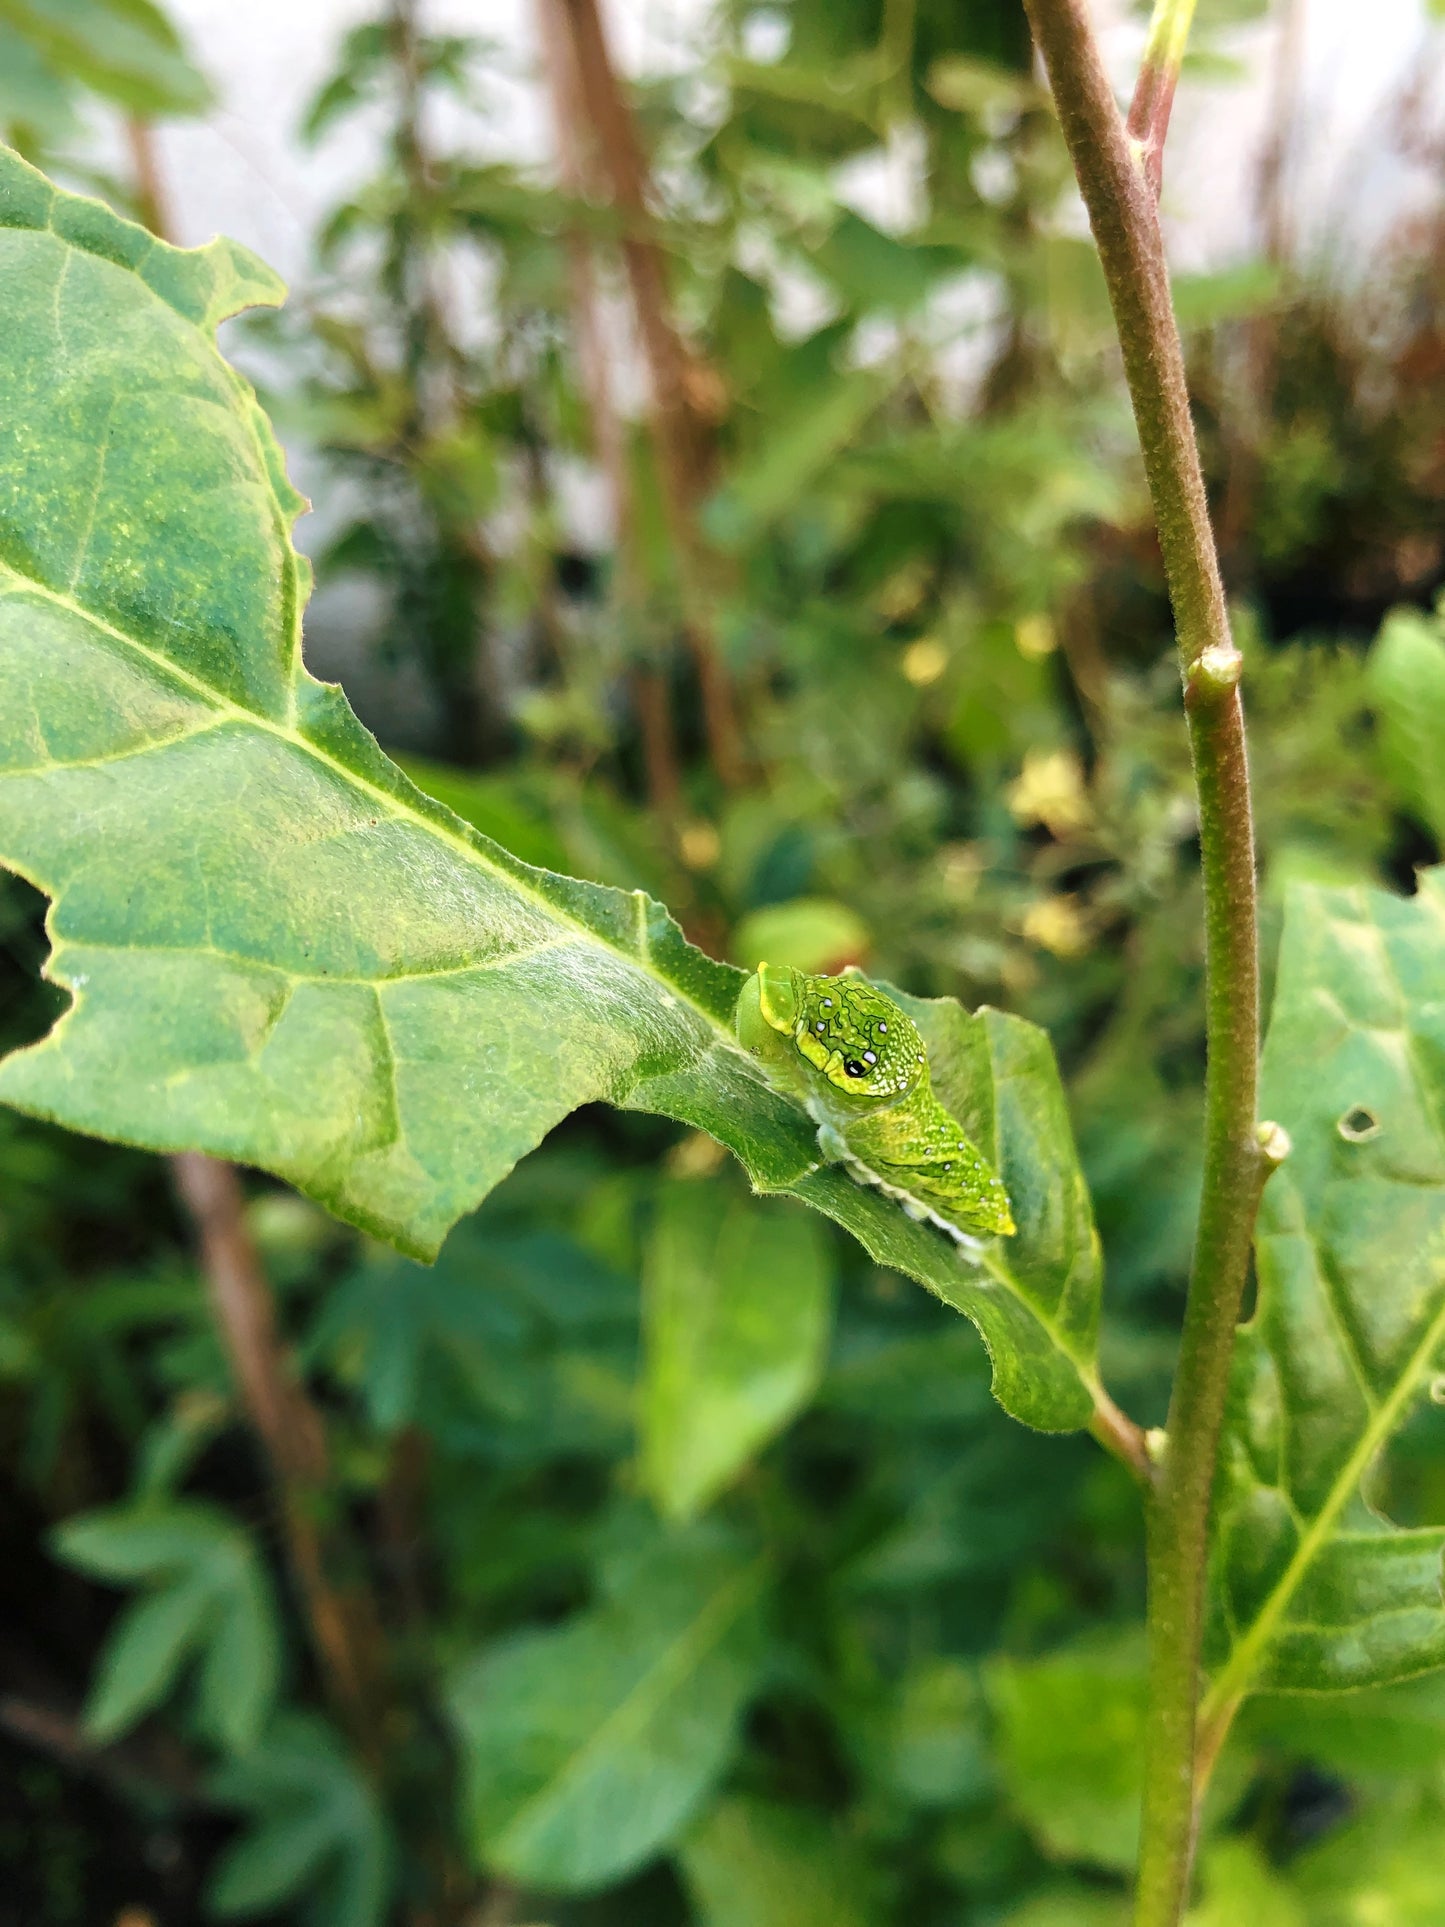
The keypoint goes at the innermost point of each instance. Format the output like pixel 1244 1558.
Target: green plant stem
pixel 1118 1433
pixel 1122 203
pixel 1153 100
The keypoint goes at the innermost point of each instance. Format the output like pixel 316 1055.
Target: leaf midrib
pixel 341 979
pixel 679 1658
pixel 477 858
pixel 1382 1415
pixel 1234 1676
pixel 394 805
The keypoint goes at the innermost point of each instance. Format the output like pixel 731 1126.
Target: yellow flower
pixel 1035 637
pixel 1050 790
pixel 699 845
pixel 924 661
pixel 1057 924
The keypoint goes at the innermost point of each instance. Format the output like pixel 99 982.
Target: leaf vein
pixel 1235 1673
pixel 374 981
pixel 129 753
pixel 1333 1294
pixel 677 1660
pixel 469 850
pixel 87 532
pixel 389 1063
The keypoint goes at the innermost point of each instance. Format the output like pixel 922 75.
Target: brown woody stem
pixel 286 1422
pixel 684 390
pixel 150 199
pixel 577 168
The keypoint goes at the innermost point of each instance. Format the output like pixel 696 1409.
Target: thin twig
pixel 288 1425
pixel 577 167
pixel 659 742
pixel 146 1766
pixel 685 393
pixel 1120 195
pixel 150 197
pixel 1118 1434
pixel 1285 80
pixel 1153 101
pixel 414 268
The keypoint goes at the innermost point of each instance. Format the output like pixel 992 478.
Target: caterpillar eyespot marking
pixel 858 1064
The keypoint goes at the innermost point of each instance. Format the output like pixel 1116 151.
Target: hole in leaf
pixel 1250 1297
pixel 1358 1125
pixel 28 1005
pixel 1406 1484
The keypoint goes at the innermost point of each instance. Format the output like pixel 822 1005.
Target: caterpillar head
pixel 855 1036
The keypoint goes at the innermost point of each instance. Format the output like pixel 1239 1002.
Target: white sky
pixel 242 172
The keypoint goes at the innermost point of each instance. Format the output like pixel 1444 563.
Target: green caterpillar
pixel 858 1064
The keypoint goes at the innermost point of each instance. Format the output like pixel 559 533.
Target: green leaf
pixel 278 949
pixel 1383 1866
pixel 241 1664
pixel 790 454
pixel 1385 1733
pixel 359 77
pixel 587 1748
pixel 1229 294
pixel 501 807
pixel 1313 1589
pixel 875 271
pixel 33 97
pixel 125 50
pixel 968 86
pixel 749 1863
pixel 316 1830
pixel 1406 681
pixel 737 1306
pixel 146 1543
pixel 1240 1885
pixel 1070 1743
pixel 208 1596
pixel 1071 1906
pixel 935 1752
pixel 815 934
pixel 504 1317
pixel 143 1656
pixel 1037 1300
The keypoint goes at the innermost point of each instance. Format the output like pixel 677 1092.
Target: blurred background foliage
pixel 655 1559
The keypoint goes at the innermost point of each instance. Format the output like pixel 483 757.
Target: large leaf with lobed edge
pixel 280 950
pixel 1315 1590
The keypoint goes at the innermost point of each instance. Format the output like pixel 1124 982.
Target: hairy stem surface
pixel 1119 187
pixel 1153 101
